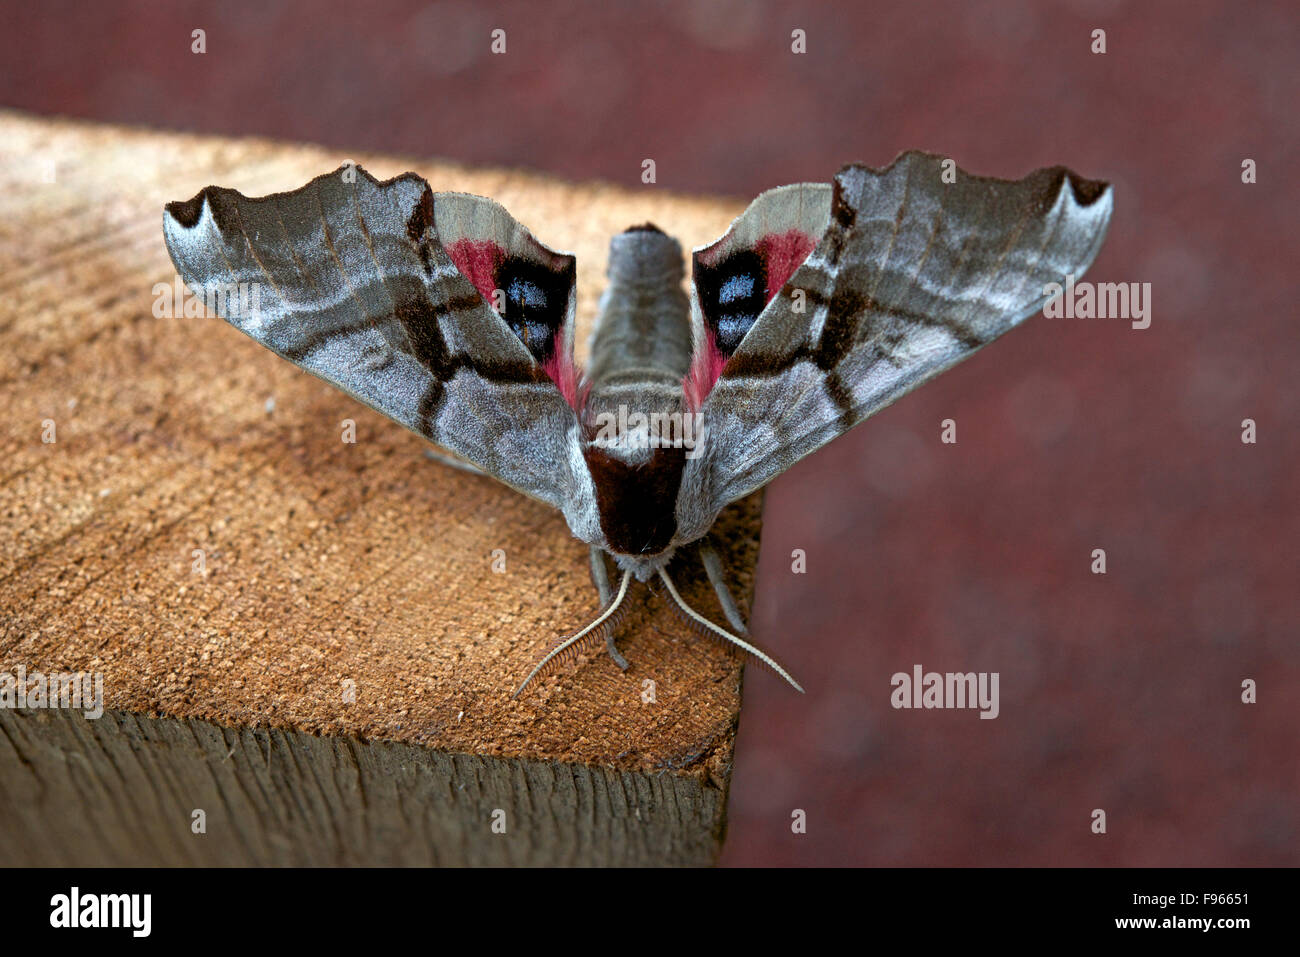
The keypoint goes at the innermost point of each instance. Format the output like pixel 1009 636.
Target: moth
pixel 821 304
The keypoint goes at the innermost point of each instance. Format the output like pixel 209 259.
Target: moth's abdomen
pixel 643 331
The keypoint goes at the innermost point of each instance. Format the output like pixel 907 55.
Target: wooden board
pixel 306 637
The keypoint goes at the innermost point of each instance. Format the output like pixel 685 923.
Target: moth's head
pixel 643 567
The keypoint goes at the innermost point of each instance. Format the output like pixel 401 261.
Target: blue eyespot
pixel 731 328
pixel 527 294
pixel 740 286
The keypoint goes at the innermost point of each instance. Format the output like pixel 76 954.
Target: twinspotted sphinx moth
pixel 823 303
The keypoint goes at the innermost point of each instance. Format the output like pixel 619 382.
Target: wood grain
pixel 327 567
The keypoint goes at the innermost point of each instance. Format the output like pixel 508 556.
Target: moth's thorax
pixel 636 497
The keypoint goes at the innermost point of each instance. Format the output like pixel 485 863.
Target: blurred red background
pixel 1119 691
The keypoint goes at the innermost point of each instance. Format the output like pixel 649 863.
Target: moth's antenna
pixel 726 635
pixel 569 642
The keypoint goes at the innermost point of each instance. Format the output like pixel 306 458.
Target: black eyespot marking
pixel 536 302
pixel 732 294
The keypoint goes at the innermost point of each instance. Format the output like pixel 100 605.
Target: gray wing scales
pixel 354 282
pixel 912 275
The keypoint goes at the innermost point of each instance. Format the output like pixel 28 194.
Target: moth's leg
pixel 717 577
pixel 454 463
pixel 600 576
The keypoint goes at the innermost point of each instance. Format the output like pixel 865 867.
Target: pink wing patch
pixel 478 261
pixel 706 366
pixel 783 253
pixel 566 375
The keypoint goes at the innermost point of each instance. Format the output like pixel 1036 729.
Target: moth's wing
pixel 825 303
pixel 383 289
